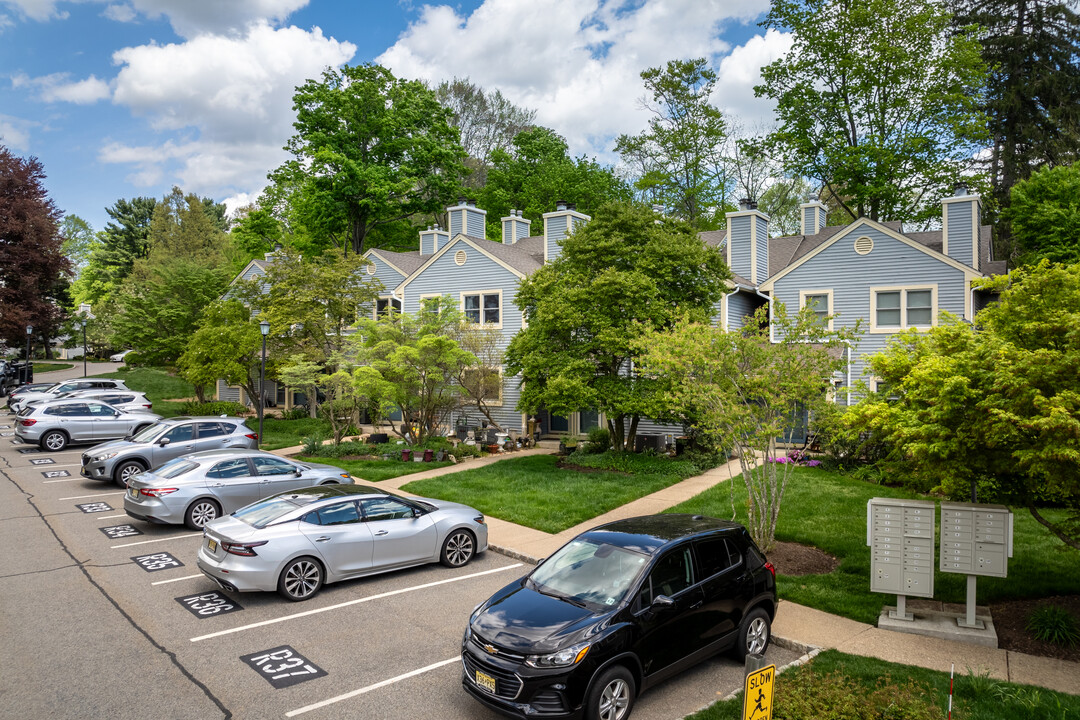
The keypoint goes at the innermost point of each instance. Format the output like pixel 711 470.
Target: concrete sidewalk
pixel 796 627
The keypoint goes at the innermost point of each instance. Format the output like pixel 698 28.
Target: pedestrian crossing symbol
pixel 758 693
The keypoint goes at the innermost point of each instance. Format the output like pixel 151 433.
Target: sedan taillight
pixel 27 422
pixel 156 492
pixel 244 549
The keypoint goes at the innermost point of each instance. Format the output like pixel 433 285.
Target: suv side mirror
pixel 662 602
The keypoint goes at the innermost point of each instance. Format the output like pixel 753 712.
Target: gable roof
pixel 516 258
pixel 404 262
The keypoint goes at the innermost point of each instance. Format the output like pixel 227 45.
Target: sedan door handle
pixel 696 605
pixel 324 538
pixel 218 485
pixel 381 532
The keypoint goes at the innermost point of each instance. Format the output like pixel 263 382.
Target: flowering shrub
pixel 796 457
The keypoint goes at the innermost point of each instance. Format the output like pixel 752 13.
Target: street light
pixel 264 328
pixel 82 321
pixel 26 367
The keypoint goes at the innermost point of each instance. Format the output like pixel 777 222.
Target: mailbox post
pixel 901 535
pixel 975 540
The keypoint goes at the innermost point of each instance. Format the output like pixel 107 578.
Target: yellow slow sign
pixel 757 695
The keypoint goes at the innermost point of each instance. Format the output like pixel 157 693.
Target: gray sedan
pixel 297 541
pixel 197 488
pixel 55 424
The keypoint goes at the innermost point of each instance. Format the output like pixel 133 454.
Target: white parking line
pixel 186 577
pixel 147 542
pixel 64 480
pixel 111 517
pixel 352 602
pixel 369 688
pixel 83 497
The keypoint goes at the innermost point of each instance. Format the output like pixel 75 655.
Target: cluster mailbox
pixel 976 539
pixel 901 535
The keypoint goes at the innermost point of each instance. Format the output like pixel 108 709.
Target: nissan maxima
pixel 296 542
pixel 616 610
pixel 197 488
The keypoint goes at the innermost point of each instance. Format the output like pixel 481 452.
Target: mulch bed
pixel 794 559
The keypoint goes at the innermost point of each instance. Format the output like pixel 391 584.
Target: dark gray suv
pixel 121 459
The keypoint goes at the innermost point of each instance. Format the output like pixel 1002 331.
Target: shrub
pixel 1054 625
pixel 300 412
pixel 462 450
pixel 313 444
pixel 219 407
pixel 599 440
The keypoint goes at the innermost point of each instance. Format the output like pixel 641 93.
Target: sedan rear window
pixel 264 512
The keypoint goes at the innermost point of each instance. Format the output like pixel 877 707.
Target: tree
pixel 1044 214
pixel 79 241
pixel 487 121
pixel 536 172
pixel 227 345
pixel 370 150
pixel 744 387
pixel 483 381
pixel 1033 94
pixel 123 241
pixel 679 159
pixel 32 263
pixel 994 407
pixel 418 362
pixel 625 274
pixel 886 124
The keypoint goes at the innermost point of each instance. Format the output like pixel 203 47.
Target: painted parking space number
pixel 209 604
pixel 157 561
pixel 283 666
pixel 56 473
pixel 41 461
pixel 94 507
pixel 120 531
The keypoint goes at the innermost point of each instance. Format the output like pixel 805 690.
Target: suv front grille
pixel 482 644
pixel 507 684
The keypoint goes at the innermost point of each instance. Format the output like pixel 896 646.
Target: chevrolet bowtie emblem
pixel 490 650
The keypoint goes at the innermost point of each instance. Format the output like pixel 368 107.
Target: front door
pixel 107 424
pixel 277 475
pixel 400 536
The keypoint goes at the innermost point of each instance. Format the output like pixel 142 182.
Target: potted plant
pixel 568 445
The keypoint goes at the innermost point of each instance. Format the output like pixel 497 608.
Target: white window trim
pixel 482 293
pixel 803 294
pixel 903 290
pixel 389 301
pixel 428 296
pixel 502 387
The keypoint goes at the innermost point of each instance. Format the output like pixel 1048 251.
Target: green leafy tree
pixel 227 345
pixel 679 159
pixel 624 275
pixel 418 361
pixel 888 122
pixel 256 231
pixel 123 241
pixel 79 241
pixel 995 407
pixel 370 150
pixel 743 386
pixel 1044 215
pixel 536 172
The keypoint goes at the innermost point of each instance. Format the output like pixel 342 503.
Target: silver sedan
pixel 197 488
pixel 297 541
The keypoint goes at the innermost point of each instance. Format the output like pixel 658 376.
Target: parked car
pixel 296 542
pixel 195 489
pixel 57 389
pixel 120 399
pixel 616 610
pixel 56 424
pixel 119 357
pixel 24 389
pixel 165 440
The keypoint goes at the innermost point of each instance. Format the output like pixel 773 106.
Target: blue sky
pixel 121 98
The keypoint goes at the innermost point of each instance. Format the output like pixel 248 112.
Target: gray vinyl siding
pixel 388 276
pixel 252 272
pixel 479 273
pixel 739 305
pixel 476 227
pixel 850 276
pixel 959 214
pixel 648 426
pixel 227 393
pixel 762 249
pixel 739 237
pixel 456 223
pixel 556 233
pixel 428 244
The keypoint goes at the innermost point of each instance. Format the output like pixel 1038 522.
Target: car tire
pixel 458 548
pixel 201 512
pixel 301 579
pixel 54 441
pixel 125 470
pixel 755 632
pixel 611 696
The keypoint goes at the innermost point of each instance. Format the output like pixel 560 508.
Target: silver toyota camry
pixel 297 541
pixel 197 488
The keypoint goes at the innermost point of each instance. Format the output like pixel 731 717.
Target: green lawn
pixel 532 491
pixel 278 433
pixel 851 687
pixel 41 366
pixel 375 470
pixel 158 385
pixel 828 511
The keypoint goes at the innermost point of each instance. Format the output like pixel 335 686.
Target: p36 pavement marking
pixel 369 688
pixel 379 596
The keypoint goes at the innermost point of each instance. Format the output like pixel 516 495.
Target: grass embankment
pixel 828 511
pixel 532 491
pixel 849 687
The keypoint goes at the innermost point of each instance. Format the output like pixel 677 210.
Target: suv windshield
pixel 150 433
pixel 585 571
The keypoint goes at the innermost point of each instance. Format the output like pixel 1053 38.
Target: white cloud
pixel 119 13
pixel 740 71
pixel 226 101
pixel 39 10
pixel 577 63
pixel 190 18
pixel 57 88
pixel 15 133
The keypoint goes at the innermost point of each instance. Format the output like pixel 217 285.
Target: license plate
pixel 485 681
pixel 211 544
pixel 133 493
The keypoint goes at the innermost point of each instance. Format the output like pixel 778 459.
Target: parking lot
pixel 107 616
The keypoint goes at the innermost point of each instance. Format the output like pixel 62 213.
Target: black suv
pixel 616 610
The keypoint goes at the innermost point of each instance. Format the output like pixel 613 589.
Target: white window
pixel 386 304
pixel 484 307
pixel 898 308
pixel 821 302
pixel 432 304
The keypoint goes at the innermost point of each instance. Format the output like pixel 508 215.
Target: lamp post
pixel 82 321
pixel 264 328
pixel 26 367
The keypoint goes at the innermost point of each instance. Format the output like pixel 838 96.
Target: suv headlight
pixel 564 658
pixel 105 456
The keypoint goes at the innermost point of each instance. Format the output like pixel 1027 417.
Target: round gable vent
pixel 864 245
pixel 460 257
pixel 371 269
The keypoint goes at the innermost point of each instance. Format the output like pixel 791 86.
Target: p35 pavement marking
pixel 338 606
